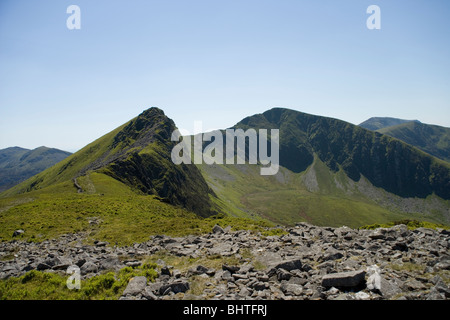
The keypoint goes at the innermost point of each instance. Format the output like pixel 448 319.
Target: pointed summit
pixel 138 155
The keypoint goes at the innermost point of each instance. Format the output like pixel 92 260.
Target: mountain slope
pixel 387 163
pixel 138 155
pixel 432 139
pixel 18 164
pixel 376 123
pixel 333 173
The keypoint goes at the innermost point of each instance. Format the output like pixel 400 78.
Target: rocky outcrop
pixel 307 262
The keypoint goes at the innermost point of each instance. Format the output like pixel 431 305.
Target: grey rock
pixel 223 249
pixel 298 280
pixel 166 271
pixel 175 287
pixel 135 286
pixel 111 262
pixel 444 265
pixel 400 246
pixel 332 254
pixel 227 276
pixel 443 289
pixel 373 281
pixel 434 294
pixel 43 266
pixel 62 266
pixel 88 267
pixel 259 285
pixel 414 285
pixel 263 277
pixel 100 243
pixel 378 234
pixel 283 274
pixel 289 265
pixel 10 268
pixel 133 263
pixel 291 289
pixel 217 229
pixel 201 269
pixel 389 289
pixel 232 269
pixel 80 262
pixel 176 273
pixel 52 261
pixel 245 292
pixel 239 276
pixel 344 279
pixel 155 287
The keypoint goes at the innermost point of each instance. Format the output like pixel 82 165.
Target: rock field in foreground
pixel 307 263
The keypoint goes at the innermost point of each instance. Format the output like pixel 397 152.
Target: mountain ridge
pixel 357 150
pixel 137 154
pixel 432 139
pixel 18 164
pixel 376 123
pixel 331 173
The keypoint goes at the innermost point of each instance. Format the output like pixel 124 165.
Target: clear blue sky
pixel 217 61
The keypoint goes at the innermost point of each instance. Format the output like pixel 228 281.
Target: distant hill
pixel 18 164
pixel 432 139
pixel 376 123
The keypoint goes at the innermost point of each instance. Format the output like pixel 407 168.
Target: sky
pixel 215 61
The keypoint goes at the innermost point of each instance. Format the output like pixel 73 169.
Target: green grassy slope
pixel 317 195
pixel 109 211
pixel 432 139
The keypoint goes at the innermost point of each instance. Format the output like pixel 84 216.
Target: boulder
pixel 89 267
pixel 332 254
pixel 283 274
pixel 232 269
pixel 166 271
pixel 111 262
pixel 175 287
pixel 289 265
pixel 135 286
pixel 42 266
pixel 291 289
pixel 374 280
pixel 344 279
pixel 218 229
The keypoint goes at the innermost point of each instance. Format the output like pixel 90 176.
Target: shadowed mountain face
pixel 138 154
pixel 18 164
pixel 387 163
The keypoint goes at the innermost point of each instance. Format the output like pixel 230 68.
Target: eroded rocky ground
pixel 308 262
